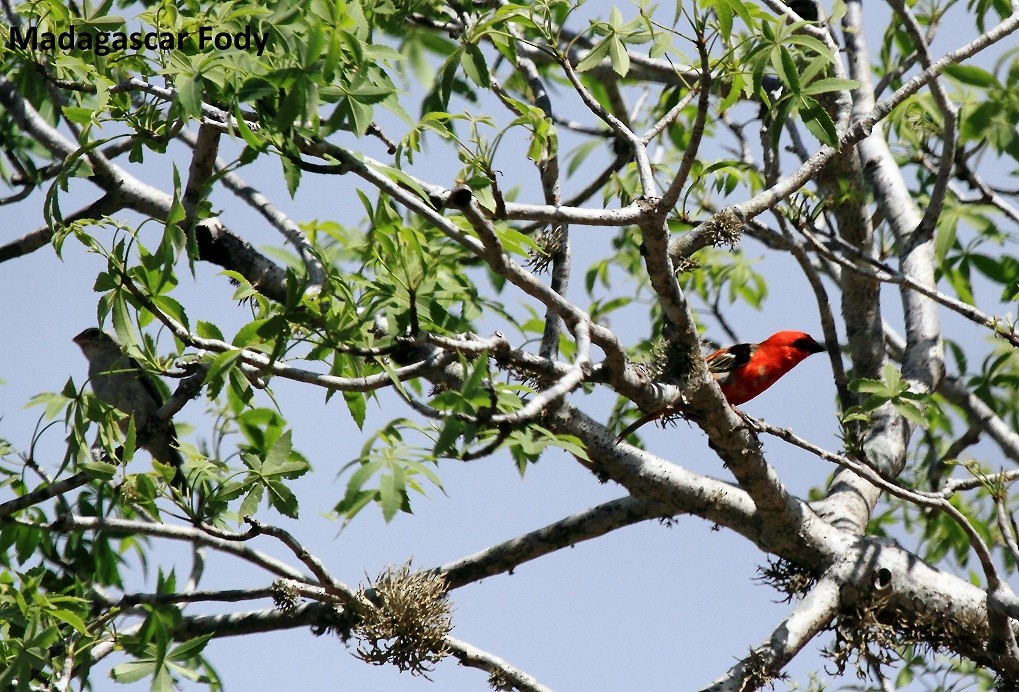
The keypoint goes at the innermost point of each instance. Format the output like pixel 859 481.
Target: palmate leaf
pixel 267 475
pixel 395 466
pixel 163 669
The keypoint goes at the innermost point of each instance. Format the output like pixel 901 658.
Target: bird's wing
pixel 151 388
pixel 131 365
pixel 728 359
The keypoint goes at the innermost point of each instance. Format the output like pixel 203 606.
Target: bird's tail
pixel 179 480
pixel 640 422
pixel 162 444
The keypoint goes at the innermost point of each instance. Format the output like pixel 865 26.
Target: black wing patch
pixel 731 358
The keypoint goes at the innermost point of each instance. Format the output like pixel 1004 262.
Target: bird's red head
pixel 794 346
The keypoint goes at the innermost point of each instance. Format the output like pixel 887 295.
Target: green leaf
pixel 189 95
pixel 190 648
pixel 132 672
pixel 571 444
pixel 99 469
pixel 971 75
pixel 426 471
pixel 352 506
pixel 618 56
pixel 816 45
pixel 249 334
pixel 170 307
pixel 911 412
pixel 221 366
pixel 977 121
pixel 819 122
pixel 399 176
pixel 359 478
pixel 129 440
pixel 283 500
pixel 251 501
pixel 944 240
pixel 208 330
pixel 785 66
pixel 292 174
pixel 70 618
pixel 475 67
pixel 450 429
pixel 822 86
pixel 54 403
pixel 81 116
pixel 866 386
pixel 357 406
pixel 391 492
pixel 738 83
pixel 594 57
pixel 281 461
pixel 723 10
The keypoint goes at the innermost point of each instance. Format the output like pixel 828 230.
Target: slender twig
pixel 989 194
pixel 188 534
pixel 489 249
pixel 1007 527
pixel 669 117
pixel 221 596
pixel 558 237
pixel 267 364
pixel 888 274
pixel 671 195
pixel 351 597
pixel 954 486
pixel 30 242
pixel 567 383
pixel 44 493
pixel 936 469
pixel 644 172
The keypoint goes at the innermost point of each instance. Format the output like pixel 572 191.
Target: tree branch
pixel 765 662
pixel 276 218
pixel 470 655
pixel 584 526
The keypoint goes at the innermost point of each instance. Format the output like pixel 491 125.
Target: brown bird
pixel 118 380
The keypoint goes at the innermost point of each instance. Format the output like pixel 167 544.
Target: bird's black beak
pixel 807 344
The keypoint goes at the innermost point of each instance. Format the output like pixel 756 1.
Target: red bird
pixel 745 370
